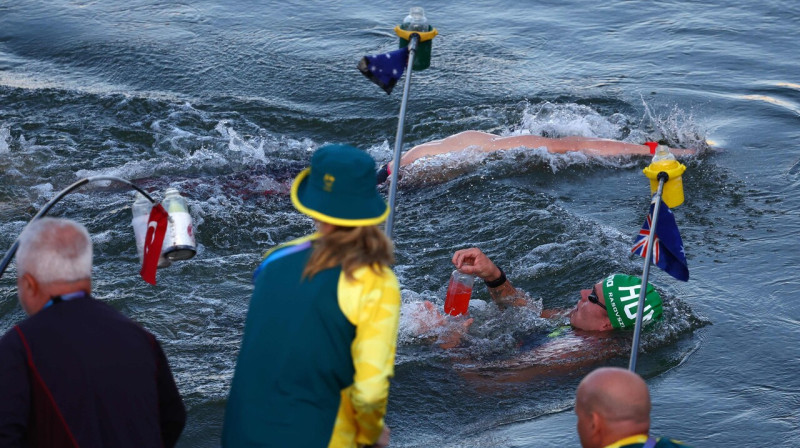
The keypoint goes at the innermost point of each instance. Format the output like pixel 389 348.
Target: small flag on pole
pixel 385 69
pixel 668 251
pixel 153 241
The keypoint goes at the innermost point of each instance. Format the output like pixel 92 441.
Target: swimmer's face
pixel 587 315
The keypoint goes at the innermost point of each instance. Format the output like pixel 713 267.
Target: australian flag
pixel 385 69
pixel 668 251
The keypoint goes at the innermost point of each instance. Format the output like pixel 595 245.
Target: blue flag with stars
pixel 667 251
pixel 385 69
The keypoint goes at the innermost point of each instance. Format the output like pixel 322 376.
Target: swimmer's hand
pixel 474 262
pixel 432 319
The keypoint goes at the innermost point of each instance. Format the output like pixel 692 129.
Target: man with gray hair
pixel 613 409
pixel 76 372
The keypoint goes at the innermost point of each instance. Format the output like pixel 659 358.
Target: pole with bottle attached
pixel 666 183
pixel 179 245
pixel 13 249
pixel 417 35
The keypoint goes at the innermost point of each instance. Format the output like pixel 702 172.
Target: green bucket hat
pixel 339 188
pixel 621 294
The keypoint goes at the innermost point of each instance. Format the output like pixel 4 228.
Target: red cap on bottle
pixel 652 146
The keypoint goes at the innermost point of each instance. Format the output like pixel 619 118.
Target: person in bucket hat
pixel 321 332
pixel 339 188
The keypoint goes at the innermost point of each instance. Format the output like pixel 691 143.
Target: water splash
pixel 5 138
pixel 566 120
pixel 676 128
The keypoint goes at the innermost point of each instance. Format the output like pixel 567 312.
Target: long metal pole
pixel 398 141
pixel 13 250
pixel 637 329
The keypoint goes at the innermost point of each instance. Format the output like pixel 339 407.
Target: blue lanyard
pixel 651 443
pixel 63 297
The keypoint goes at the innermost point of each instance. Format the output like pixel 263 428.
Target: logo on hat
pixel 328 180
pixel 621 293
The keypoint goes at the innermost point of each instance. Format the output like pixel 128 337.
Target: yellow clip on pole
pixel 673 188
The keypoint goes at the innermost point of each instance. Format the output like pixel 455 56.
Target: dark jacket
pixel 80 374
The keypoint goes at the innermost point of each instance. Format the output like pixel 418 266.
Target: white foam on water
pixel 183 156
pixel 102 237
pixel 676 126
pixel 253 147
pixel 568 120
pixel 5 139
pixel 130 170
pixel 382 153
pixel 43 191
pixel 30 146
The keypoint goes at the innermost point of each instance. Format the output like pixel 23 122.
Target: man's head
pixel 611 404
pixel 611 304
pixel 54 257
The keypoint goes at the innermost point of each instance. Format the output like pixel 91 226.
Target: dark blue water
pixel 227 100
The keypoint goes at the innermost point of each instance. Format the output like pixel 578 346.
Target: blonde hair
pixel 352 248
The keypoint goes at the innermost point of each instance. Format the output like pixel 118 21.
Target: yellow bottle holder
pixel 672 193
pixel 422 58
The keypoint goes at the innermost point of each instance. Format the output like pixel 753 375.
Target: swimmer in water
pixel 608 305
pixel 486 142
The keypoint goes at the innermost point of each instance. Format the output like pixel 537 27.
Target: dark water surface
pixel 227 100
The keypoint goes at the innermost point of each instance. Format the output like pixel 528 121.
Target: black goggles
pixel 593 298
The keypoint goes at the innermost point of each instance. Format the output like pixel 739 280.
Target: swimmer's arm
pixel 587 145
pixel 425 150
pixel 551 313
pixel 489 142
pixel 463 140
pixel 474 262
pixel 507 295
pixel 486 142
pixel 606 148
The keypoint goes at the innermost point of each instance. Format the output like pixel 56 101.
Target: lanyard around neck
pixel 64 297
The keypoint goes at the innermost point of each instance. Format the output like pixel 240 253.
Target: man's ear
pixel 597 425
pixel 27 291
pixel 29 283
pixel 607 326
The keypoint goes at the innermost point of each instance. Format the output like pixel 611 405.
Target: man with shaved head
pixel 76 372
pixel 613 409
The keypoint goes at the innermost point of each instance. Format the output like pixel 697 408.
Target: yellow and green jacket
pixel 316 355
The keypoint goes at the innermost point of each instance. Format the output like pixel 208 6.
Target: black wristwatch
pixel 498 281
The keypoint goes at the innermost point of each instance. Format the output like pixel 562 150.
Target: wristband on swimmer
pixel 498 281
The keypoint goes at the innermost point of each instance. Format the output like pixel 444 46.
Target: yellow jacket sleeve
pixel 372 304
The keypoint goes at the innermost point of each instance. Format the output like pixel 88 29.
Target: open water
pixel 227 100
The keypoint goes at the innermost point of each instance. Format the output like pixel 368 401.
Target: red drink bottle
pixel 459 290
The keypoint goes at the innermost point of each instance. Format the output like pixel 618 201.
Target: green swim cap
pixel 621 293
